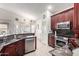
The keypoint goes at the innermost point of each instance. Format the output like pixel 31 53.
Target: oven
pixel 63 31
pixel 61 41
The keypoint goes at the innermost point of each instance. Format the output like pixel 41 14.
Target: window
pixel 3 29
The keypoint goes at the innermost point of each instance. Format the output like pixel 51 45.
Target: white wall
pixel 44 27
pixel 39 29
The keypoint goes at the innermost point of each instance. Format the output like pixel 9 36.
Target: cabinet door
pixel 62 17
pixel 59 18
pixel 76 16
pixel 73 43
pixel 55 21
pixel 20 48
pixel 51 41
pixel 10 50
pixel 70 15
pixel 52 23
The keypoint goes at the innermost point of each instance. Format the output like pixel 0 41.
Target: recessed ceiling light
pixel 49 7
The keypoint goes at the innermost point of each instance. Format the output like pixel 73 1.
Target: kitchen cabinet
pixel 76 18
pixel 35 43
pixel 69 15
pixel 61 17
pixel 54 22
pixel 51 40
pixel 72 43
pixel 20 47
pixel 14 49
pixel 9 50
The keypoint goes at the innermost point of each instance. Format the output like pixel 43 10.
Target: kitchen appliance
pixel 61 41
pixel 63 25
pixel 61 33
pixel 29 44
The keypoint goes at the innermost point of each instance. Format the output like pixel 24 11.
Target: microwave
pixel 63 25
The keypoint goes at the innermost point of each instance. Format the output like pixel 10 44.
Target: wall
pixel 44 27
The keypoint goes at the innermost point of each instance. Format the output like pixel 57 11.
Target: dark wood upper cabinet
pixel 62 17
pixel 76 18
pixel 52 23
pixel 69 15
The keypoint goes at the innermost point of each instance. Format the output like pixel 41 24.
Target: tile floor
pixel 42 50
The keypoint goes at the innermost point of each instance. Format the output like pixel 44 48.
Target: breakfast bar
pixel 15 45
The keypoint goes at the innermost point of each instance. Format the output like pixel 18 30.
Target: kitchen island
pixel 14 45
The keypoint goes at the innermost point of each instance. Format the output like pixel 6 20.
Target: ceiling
pixel 32 10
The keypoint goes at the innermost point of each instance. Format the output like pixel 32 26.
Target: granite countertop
pixel 62 51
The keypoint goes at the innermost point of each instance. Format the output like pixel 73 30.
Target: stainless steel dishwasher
pixel 29 44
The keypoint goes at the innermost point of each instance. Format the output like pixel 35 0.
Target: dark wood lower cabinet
pixel 73 43
pixel 14 49
pixel 20 48
pixel 51 40
pixel 9 50
pixel 35 43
